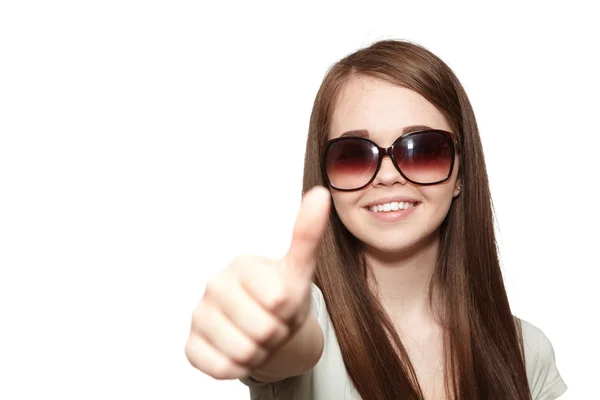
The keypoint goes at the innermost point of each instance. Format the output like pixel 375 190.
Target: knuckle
pixel 199 317
pixel 242 259
pixel 239 259
pixel 222 369
pixel 189 352
pixel 247 353
pixel 214 289
pixel 248 261
pixel 193 356
pixel 277 299
pixel 268 333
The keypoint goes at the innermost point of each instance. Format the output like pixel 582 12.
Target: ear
pixel 457 187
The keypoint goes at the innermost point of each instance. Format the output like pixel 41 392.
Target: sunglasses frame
pixel 389 151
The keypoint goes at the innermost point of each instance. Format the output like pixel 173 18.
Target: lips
pixel 392 216
pixel 398 199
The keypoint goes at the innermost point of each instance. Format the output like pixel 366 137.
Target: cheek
pixel 438 201
pixel 341 201
pixel 345 205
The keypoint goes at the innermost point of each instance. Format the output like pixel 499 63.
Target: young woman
pixel 394 290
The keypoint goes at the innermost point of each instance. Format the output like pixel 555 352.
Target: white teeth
pixel 393 206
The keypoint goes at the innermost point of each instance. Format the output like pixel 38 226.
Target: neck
pixel 401 280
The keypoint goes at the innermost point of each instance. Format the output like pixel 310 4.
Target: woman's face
pixel 385 110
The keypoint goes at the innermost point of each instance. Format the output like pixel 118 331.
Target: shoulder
pixel 544 378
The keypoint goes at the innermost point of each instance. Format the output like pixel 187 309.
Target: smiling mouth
pixel 392 206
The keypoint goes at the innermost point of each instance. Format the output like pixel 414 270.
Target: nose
pixel 388 174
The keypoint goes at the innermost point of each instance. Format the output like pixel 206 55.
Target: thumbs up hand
pixel 256 304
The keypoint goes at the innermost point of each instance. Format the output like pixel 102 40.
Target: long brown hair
pixel 483 344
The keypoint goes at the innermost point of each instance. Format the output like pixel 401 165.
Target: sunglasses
pixel 423 157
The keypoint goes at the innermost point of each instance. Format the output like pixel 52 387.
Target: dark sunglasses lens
pixel 425 157
pixel 350 163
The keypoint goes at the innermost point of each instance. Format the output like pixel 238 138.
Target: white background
pixel 140 152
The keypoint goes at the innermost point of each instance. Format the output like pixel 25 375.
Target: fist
pixel 256 304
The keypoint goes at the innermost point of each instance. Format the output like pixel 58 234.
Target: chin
pixel 396 241
pixel 392 246
pixel 393 239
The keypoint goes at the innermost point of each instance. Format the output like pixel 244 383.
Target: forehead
pixel 381 108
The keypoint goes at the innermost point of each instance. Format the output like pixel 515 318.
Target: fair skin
pixel 254 317
pixel 401 255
